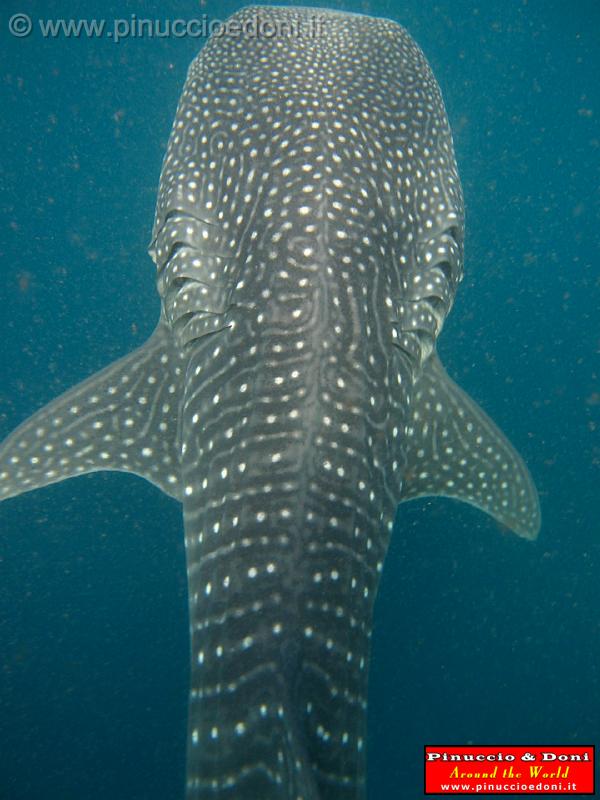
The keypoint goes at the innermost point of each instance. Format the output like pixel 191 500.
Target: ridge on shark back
pixel 308 242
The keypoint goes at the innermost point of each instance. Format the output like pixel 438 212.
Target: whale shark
pixel 308 246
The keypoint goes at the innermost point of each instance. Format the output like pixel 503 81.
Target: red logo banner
pixel 500 769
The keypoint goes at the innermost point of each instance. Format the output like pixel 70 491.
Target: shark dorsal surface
pixel 308 245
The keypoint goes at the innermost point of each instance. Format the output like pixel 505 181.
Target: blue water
pixel 479 637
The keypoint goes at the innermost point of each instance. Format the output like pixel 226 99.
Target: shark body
pixel 308 242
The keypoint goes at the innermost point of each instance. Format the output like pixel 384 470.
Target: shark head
pixel 308 244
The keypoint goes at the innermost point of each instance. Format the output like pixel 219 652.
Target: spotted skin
pixel 309 243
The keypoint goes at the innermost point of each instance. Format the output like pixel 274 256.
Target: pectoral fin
pixel 455 450
pixel 124 418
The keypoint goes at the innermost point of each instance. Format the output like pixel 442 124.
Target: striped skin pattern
pixel 308 243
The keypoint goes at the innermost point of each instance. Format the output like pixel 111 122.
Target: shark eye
pixel 437 305
pixel 446 269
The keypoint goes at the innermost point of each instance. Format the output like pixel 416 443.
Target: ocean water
pixel 479 636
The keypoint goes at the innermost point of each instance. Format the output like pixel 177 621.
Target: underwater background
pixel 479 637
